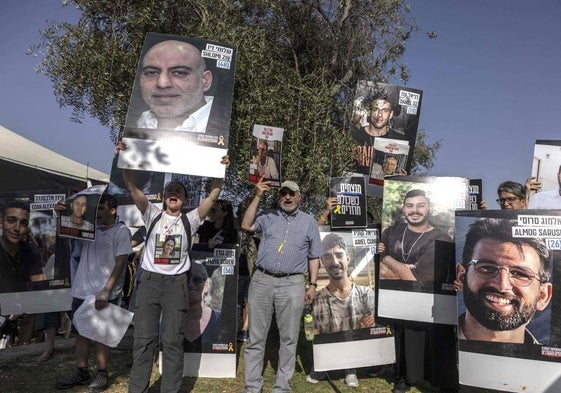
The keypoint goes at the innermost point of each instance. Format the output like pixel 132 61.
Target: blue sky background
pixel 491 82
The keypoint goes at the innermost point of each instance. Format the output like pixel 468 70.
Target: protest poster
pixel 210 333
pixel 509 299
pixel 172 126
pixel 383 110
pixel 266 147
pixel 78 221
pixel 350 210
pixel 546 168
pixel 346 334
pixel 417 268
pixel 475 194
pixel 390 159
pixel 34 269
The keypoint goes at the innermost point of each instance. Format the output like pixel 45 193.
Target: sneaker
pixel 99 383
pixel 78 377
pixel 243 335
pixel 351 380
pixel 400 387
pixel 315 376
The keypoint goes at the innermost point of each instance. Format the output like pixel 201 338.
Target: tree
pixel 297 68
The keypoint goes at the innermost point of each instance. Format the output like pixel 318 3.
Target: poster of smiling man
pixel 266 147
pixel 32 279
pixel 79 219
pixel 346 333
pixel 383 111
pixel 417 248
pixel 508 299
pixel 179 113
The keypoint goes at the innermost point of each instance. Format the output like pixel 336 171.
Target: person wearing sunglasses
pixel 290 247
pixel 504 280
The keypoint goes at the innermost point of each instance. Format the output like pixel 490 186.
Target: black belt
pixel 276 275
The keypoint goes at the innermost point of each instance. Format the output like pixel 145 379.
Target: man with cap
pixel 290 246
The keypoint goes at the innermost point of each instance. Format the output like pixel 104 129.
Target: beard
pixel 494 319
pixel 288 209
pixel 417 223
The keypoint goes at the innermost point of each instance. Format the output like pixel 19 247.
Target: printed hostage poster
pixel 390 159
pixel 475 194
pixel 417 248
pixel 509 299
pixel 546 168
pixel 34 269
pixel 178 119
pixel 78 221
pixel 350 210
pixel 266 147
pixel 346 332
pixel 210 330
pixel 381 110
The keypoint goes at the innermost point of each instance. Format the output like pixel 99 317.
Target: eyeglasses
pixel 510 200
pixel 518 275
pixel 286 191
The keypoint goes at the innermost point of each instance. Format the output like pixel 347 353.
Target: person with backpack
pixel 163 287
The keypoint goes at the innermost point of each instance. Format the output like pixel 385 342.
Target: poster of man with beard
pixel 507 298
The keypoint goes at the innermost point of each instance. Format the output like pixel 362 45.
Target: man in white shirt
pixel 100 273
pixel 173 80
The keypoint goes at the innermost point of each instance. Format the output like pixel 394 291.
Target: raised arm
pixel 129 179
pixel 206 204
pixel 249 217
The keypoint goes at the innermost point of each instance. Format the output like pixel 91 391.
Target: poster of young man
pixel 79 219
pixel 32 280
pixel 346 333
pixel 546 169
pixel 508 299
pixel 390 159
pixel 266 147
pixel 350 210
pixel 475 194
pixel 383 110
pixel 417 248
pixel 210 330
pixel 178 119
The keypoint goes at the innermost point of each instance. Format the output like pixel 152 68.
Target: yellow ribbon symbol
pixel 337 209
pixel 221 140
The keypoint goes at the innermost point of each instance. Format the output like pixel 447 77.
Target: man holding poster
pixel 504 280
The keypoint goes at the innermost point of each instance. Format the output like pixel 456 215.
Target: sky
pixel 490 81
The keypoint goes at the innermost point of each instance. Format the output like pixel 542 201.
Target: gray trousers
pixel 164 295
pixel 285 296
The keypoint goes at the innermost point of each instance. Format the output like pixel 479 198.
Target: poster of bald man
pixel 179 113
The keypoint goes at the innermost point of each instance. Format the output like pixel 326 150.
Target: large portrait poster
pixel 350 210
pixel 509 299
pixel 266 147
pixel 383 111
pixel 417 268
pixel 178 119
pixel 210 331
pixel 346 332
pixel 34 268
pixel 78 221
pixel 546 167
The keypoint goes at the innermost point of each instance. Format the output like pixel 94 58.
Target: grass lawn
pixel 22 375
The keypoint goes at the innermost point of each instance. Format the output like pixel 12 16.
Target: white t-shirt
pixel 97 261
pixel 168 227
